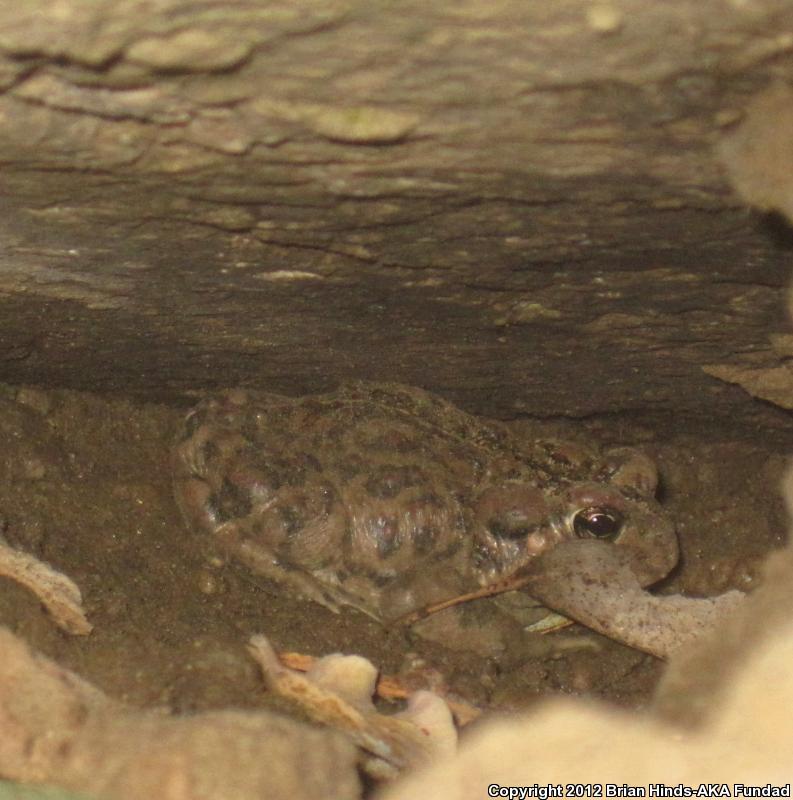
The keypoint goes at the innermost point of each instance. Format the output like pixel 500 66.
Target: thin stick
pixel 498 587
pixel 60 594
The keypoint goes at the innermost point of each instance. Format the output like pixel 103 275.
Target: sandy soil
pixel 84 485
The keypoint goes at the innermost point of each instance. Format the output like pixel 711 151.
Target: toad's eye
pixel 598 522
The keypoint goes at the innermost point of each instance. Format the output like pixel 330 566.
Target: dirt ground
pixel 84 485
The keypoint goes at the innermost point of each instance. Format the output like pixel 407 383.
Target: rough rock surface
pixel 286 194
pixel 60 730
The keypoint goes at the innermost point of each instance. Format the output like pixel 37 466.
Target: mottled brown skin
pixel 387 498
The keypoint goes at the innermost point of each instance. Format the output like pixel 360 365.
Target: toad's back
pixel 367 496
pixel 359 487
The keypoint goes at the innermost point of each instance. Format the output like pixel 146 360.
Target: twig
pixel 60 594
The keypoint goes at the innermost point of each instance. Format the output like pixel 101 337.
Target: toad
pixel 388 498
